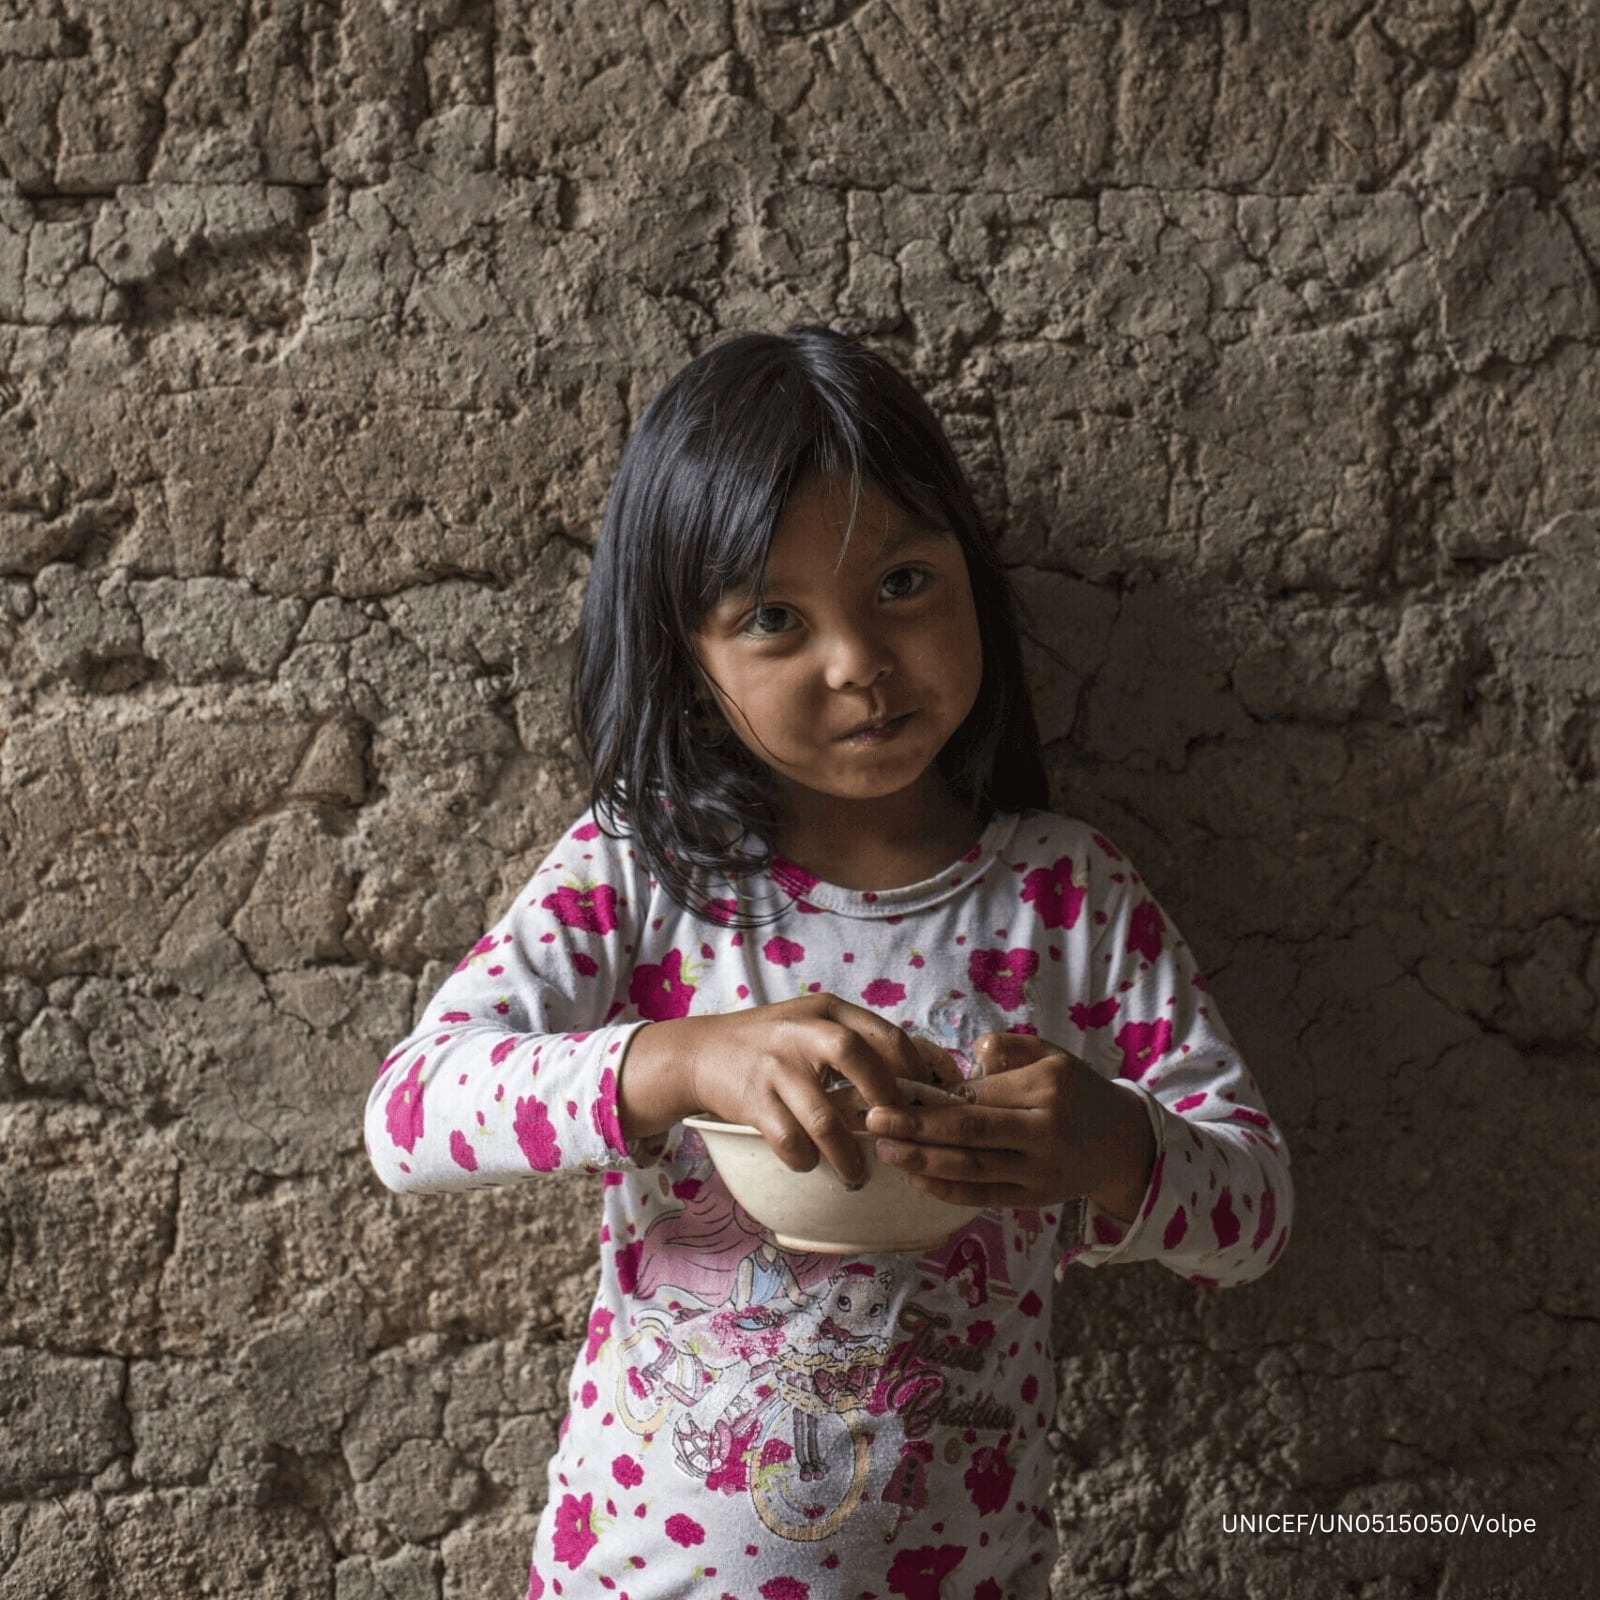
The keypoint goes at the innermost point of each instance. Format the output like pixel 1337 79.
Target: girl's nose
pixel 856 659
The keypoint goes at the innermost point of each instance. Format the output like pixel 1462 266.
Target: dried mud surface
pixel 1270 333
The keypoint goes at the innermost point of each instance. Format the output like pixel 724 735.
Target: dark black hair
pixel 703 480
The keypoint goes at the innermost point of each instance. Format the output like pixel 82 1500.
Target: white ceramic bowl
pixel 813 1211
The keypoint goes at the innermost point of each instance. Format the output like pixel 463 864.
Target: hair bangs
pixel 788 434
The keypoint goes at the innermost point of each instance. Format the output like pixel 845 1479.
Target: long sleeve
pixel 513 1067
pixel 1219 1202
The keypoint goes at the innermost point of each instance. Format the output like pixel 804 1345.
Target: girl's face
pixel 850 676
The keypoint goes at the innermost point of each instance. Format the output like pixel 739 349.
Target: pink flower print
pixel 784 1588
pixel 1058 899
pixel 989 1477
pixel 1107 846
pixel 987 1590
pixel 627 1472
pixel 403 1113
pixel 1244 1114
pixel 603 1113
pixel 481 948
pixel 1176 1227
pixel 917 1574
pixel 1030 1305
pixel 503 1049
pixel 685 1530
pixel 1002 974
pixel 1097 1015
pixel 1269 1215
pixel 461 1152
pixel 600 1324
pixel 536 1136
pixel 731 1450
pixel 584 966
pixel 1189 1102
pixel 1106 1231
pixel 589 830
pixel 1145 928
pixel 659 991
pixel 628 1266
pixel 574 1532
pixel 592 908
pixel 792 878
pixel 1223 1221
pixel 783 952
pixel 1142 1045
pixel 535 1585
pixel 884 992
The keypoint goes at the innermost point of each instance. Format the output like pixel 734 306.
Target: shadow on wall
pixel 1377 827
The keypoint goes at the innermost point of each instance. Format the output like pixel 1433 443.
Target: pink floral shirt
pixel 752 1423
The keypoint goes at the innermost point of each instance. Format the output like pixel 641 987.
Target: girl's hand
pixel 1040 1128
pixel 770 1067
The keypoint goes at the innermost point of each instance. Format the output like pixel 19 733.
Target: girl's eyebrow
pixel 916 534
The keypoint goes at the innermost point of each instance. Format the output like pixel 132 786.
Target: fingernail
pixel 888 1152
pixel 853 1184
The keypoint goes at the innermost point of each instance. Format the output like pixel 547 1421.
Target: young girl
pixel 819 831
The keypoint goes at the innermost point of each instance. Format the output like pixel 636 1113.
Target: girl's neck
pixel 885 844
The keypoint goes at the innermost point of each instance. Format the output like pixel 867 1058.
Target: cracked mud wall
pixel 1270 334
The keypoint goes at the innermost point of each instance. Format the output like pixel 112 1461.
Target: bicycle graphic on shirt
pixel 797 1430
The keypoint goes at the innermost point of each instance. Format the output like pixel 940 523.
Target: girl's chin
pixel 808 788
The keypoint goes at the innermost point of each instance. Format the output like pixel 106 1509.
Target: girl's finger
pixel 1023 1087
pixel 870 1051
pixel 893 1044
pixel 954 1163
pixel 988 1196
pixel 937 1061
pixel 1005 1052
pixel 826 1128
pixel 777 1124
pixel 969 1126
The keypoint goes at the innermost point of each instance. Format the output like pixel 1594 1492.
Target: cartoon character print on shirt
pixel 755 1362
pixel 813 1453
pixel 767 1370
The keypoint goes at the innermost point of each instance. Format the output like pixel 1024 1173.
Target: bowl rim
pixel 699 1120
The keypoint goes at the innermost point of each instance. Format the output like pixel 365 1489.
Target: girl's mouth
pixel 878 732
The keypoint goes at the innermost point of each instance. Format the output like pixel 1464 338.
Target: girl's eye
pixel 904 582
pixel 766 621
